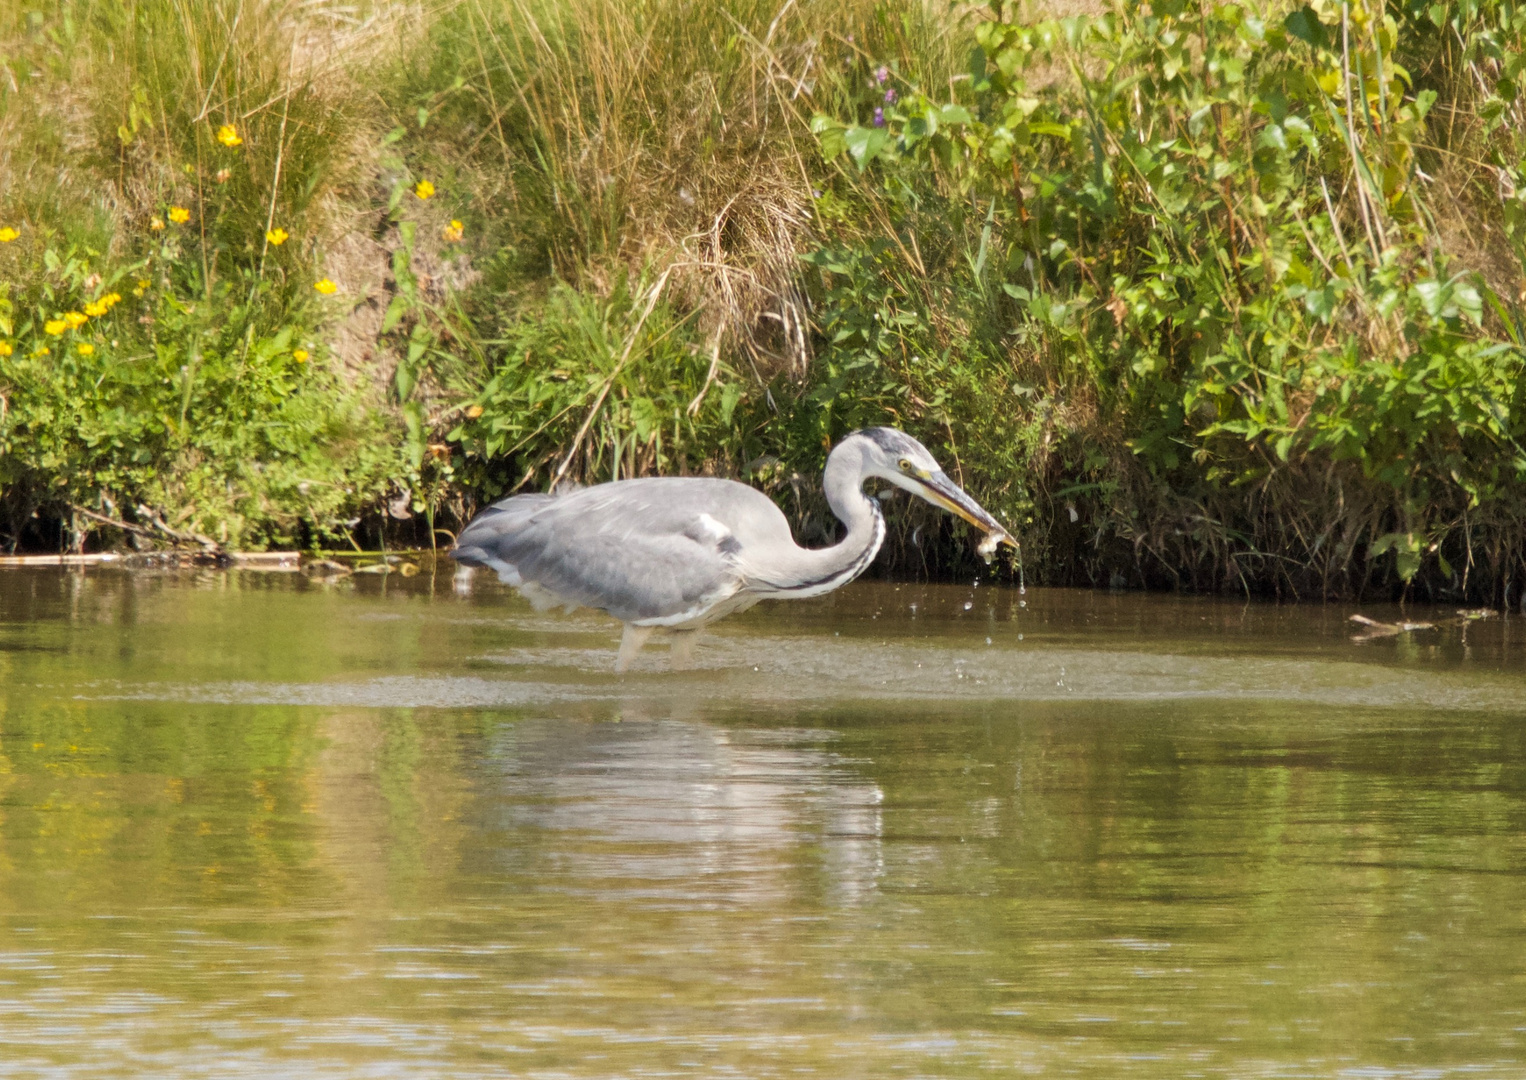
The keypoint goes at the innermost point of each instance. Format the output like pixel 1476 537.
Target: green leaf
pixel 395 312
pixel 731 393
pixel 977 66
pixel 413 420
pixel 1433 296
pixel 1406 548
pixel 1320 302
pixel 1304 24
pixel 831 136
pixel 865 144
pixel 404 380
pixel 1468 301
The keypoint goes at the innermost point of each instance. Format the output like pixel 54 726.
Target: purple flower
pixel 879 116
pixel 882 74
pixel 890 96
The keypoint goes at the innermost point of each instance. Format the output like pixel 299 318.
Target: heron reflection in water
pixel 676 553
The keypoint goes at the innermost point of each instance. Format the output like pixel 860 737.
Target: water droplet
pixel 988 641
pixel 1022 603
pixel 968 604
pixel 1019 637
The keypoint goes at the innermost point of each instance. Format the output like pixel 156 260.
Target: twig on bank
pixel 159 528
pixel 715 365
pixel 275 183
pixel 630 345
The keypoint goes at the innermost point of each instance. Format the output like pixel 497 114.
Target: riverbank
pixel 1214 300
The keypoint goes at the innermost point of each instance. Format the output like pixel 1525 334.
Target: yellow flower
pixel 277 236
pixel 228 135
pixel 473 411
pixel 5 348
pixel 55 326
pixel 299 355
pixel 111 299
pixel 96 308
pixel 179 215
pixel 75 319
pixel 41 350
pixel 8 234
pixel 453 232
pixel 326 287
pixel 424 189
pixel 85 348
pixel 156 223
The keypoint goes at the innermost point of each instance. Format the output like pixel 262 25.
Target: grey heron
pixel 677 553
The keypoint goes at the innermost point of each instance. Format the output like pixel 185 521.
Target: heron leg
pixel 681 652
pixel 630 644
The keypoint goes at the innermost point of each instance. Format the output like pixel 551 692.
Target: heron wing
pixel 653 552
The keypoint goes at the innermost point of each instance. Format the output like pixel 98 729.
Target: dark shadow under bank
pixel 924 545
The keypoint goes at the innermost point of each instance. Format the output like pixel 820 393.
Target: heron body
pixel 676 553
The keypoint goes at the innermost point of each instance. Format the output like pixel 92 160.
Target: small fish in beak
pixel 987 548
pixel 942 491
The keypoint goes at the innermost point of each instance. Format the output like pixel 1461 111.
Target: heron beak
pixel 939 490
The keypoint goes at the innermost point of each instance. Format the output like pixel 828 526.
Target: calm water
pixel 256 826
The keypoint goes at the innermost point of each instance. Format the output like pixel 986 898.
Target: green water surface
pixel 253 825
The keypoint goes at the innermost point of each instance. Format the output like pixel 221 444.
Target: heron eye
pixel 905 465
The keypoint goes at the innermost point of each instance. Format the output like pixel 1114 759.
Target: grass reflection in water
pixel 251 826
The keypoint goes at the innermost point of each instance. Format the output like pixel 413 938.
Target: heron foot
pixel 681 652
pixel 630 644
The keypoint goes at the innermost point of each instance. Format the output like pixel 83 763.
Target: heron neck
pixel 843 484
pixel 819 570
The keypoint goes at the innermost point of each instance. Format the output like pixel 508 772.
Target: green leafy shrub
pixel 166 361
pixel 1199 237
pixel 189 410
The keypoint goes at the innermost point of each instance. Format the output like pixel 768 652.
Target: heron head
pixel 898 458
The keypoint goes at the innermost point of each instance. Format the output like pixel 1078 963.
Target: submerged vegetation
pixel 1220 297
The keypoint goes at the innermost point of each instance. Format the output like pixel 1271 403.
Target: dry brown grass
pixel 666 134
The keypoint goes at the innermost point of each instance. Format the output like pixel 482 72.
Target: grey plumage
pixel 679 552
